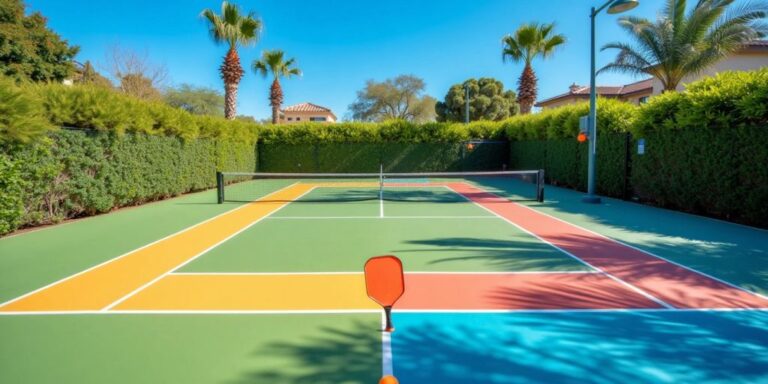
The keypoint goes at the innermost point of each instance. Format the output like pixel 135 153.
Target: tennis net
pixel 350 187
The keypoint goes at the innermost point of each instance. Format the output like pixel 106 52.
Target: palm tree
pixel 272 62
pixel 529 42
pixel 232 28
pixel 677 45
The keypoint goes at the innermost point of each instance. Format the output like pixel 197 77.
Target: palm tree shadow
pixel 351 355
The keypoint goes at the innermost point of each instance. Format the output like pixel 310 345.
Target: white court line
pixel 124 254
pixel 380 217
pixel 386 349
pixel 618 280
pixel 141 288
pixel 649 253
pixel 369 311
pixel 361 273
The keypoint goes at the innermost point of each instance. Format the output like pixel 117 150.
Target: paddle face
pixel 384 280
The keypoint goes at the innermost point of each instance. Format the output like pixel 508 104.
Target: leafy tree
pixel 196 100
pixel 680 44
pixel 234 29
pixel 529 42
pixel 399 98
pixel 487 101
pixel 273 62
pixel 28 49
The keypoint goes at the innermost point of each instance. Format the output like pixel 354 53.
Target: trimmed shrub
pixel 707 148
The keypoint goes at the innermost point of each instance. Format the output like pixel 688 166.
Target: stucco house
pixel 305 112
pixel 753 56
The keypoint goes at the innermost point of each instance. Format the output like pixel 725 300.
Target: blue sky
pixel 339 44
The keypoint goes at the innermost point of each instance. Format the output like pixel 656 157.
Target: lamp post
pixel 466 103
pixel 614 7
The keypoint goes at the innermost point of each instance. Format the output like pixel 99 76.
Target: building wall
pixel 306 117
pixel 563 102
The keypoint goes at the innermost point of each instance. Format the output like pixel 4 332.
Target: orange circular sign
pixel 582 137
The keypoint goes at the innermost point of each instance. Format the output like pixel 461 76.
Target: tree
pixel 487 101
pixel 196 100
pixel 678 45
pixel 28 49
pixel 234 29
pixel 529 42
pixel 398 98
pixel 87 74
pixel 135 74
pixel 272 62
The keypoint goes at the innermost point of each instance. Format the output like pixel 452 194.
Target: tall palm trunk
pixel 276 100
pixel 526 89
pixel 231 72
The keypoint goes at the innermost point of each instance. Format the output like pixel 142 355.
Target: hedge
pixel 707 148
pixel 547 140
pixel 117 151
pixel 84 172
pixel 394 156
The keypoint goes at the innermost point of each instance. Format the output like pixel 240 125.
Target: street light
pixel 614 7
pixel 466 101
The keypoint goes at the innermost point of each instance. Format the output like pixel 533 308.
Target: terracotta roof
pixel 306 107
pixel 581 92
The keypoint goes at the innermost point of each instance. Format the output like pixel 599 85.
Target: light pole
pixel 466 103
pixel 614 7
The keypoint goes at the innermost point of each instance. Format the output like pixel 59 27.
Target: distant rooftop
pixel 306 107
pixel 579 91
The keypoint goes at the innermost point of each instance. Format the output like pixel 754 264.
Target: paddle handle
pixel 388 315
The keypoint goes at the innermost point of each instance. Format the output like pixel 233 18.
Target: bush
pixel 123 152
pixel 547 140
pixel 706 148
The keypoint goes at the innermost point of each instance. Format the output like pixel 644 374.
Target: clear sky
pixel 339 44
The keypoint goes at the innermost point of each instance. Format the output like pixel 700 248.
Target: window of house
pixel 298 119
pixel 643 100
pixel 318 119
pixel 290 119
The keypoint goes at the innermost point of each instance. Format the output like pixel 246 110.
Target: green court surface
pixel 438 233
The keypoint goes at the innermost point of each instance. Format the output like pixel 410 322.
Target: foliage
pixel 84 172
pixel 196 100
pixel 273 62
pixel 487 101
pixel 726 101
pixel 563 122
pixel 20 115
pixel 678 44
pixel 399 99
pixel 233 28
pixel 89 76
pixel 389 131
pixel 135 75
pixel 28 49
pixel 526 44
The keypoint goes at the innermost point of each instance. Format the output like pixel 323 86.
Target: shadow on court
pixel 350 356
pixel 651 347
pixel 502 255
pixel 735 253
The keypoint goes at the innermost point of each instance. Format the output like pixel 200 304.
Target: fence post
pixel 220 187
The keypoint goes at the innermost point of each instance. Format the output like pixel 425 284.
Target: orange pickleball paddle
pixel 384 283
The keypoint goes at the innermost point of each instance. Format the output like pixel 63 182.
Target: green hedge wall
pixel 707 148
pixel 394 156
pixel 80 172
pixel 123 152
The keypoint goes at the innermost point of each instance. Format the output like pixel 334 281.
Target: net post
pixel 220 187
pixel 381 181
pixel 540 186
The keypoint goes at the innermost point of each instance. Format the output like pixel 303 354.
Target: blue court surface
pixel 582 347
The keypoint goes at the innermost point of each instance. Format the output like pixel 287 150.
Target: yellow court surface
pixel 104 285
